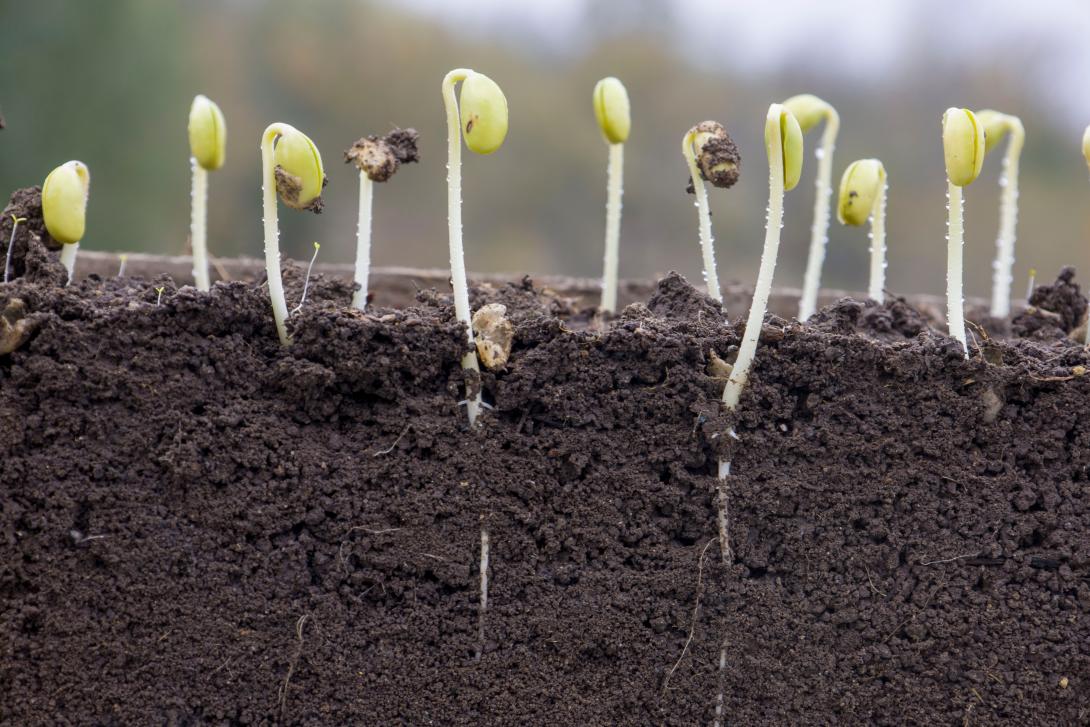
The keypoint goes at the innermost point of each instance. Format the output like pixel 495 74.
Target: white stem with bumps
pixel 272 233
pixel 1003 272
pixel 877 286
pixel 955 304
pixel 732 392
pixel 454 222
pixel 198 225
pixel 707 247
pixel 363 241
pixel 614 190
pixel 819 231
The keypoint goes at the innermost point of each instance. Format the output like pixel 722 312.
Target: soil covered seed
pixel 380 157
pixel 717 157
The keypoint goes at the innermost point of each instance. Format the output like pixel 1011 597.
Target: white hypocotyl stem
pixel 11 244
pixel 454 221
pixel 363 241
pixel 878 247
pixel 482 607
pixel 819 231
pixel 461 292
pixel 732 392
pixel 198 225
pixel 272 232
pixel 1003 267
pixel 121 268
pixel 711 277
pixel 68 258
pixel 955 304
pixel 614 190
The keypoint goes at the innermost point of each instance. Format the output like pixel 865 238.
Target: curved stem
pixel 198 225
pixel 272 233
pixel 1002 273
pixel 955 312
pixel 363 241
pixel 876 290
pixel 819 231
pixel 68 258
pixel 614 190
pixel 711 277
pixel 732 392
pixel 454 221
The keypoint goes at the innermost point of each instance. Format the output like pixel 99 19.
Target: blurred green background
pixel 110 82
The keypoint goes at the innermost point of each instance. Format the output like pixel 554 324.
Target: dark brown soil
pixel 198 526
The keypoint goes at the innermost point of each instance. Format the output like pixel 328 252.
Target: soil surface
pixel 199 526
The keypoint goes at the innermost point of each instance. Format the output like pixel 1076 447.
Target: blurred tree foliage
pixel 110 83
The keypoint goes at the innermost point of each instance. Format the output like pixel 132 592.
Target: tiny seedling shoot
pixel 208 150
pixel 293 169
pixel 479 115
pixel 377 158
pixel 64 208
pixel 15 221
pixel 862 197
pixel 810 111
pixel 963 148
pixel 711 156
pixel 614 116
pixel 783 144
pixel 997 125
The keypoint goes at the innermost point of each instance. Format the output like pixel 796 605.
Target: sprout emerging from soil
pixel 997 125
pixel 863 197
pixel 783 144
pixel 480 116
pixel 11 244
pixel 614 116
pixel 711 156
pixel 293 169
pixel 810 111
pixel 963 148
pixel 377 158
pixel 64 208
pixel 208 150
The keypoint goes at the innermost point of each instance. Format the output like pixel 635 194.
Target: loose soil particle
pixel 198 526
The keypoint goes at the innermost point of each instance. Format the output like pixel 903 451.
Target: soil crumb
pixel 1054 310
pixel 893 320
